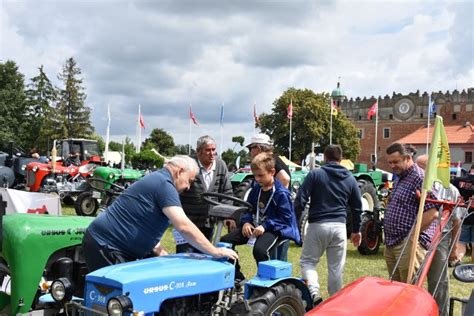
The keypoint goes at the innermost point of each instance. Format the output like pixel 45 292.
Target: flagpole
pixel 428 127
pixel 376 131
pixel 122 163
pixel 189 137
pixel 330 124
pixel 221 122
pixel 107 136
pixel 139 132
pixel 290 116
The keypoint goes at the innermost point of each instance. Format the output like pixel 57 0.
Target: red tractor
pixel 75 161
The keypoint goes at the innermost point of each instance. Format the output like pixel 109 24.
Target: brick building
pixel 401 115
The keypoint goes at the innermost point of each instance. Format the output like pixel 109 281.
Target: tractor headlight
pixel 61 290
pixel 111 176
pixel 34 169
pixel 118 305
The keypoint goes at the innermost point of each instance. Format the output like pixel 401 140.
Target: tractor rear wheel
pixel 284 299
pixel 243 189
pixel 371 236
pixel 368 195
pixel 68 200
pixel 86 205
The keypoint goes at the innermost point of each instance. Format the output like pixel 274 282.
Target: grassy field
pixel 356 265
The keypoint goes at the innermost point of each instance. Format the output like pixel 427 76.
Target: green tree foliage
pixel 44 123
pixel 71 104
pixel 230 157
pixel 310 123
pixel 147 159
pixel 239 140
pixel 129 148
pixel 12 104
pixel 183 150
pixel 161 141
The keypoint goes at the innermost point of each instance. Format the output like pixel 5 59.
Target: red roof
pixel 456 135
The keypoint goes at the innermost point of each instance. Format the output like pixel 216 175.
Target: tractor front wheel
pixel 284 299
pixel 371 236
pixel 243 189
pixel 86 205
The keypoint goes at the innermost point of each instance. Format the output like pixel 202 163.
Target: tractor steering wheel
pixel 206 196
pixel 118 188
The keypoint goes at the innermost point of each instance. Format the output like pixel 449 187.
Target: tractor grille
pixel 30 177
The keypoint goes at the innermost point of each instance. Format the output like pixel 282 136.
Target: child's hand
pixel 247 230
pixel 258 231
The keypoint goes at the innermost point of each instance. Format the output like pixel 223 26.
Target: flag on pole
pixel 192 117
pixel 222 115
pixel 439 158
pixel 142 122
pixel 431 109
pixel 290 110
pixel 373 110
pixel 334 110
pixel 255 116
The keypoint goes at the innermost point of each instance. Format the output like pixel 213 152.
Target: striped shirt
pixel 402 209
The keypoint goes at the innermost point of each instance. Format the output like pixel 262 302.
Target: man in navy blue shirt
pixel 330 190
pixel 133 226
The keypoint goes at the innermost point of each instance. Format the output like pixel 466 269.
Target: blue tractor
pixel 187 284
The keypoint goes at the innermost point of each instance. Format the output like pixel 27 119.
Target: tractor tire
pixel 5 288
pixel 243 189
pixel 303 223
pixel 68 200
pixel 283 299
pixel 371 236
pixel 86 205
pixel 368 195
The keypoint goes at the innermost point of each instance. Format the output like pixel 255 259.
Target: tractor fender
pixel 258 282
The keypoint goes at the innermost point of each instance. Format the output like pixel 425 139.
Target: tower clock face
pixel 404 108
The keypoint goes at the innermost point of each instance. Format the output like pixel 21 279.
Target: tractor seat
pixel 225 211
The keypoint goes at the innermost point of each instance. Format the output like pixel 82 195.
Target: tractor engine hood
pixel 154 280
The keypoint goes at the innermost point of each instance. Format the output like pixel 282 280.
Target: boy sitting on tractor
pixel 273 217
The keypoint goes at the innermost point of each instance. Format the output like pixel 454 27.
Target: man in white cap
pixel 262 143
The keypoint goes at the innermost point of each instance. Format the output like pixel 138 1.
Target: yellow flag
pixel 334 111
pixel 439 157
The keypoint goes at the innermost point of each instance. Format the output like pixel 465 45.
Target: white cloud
pixel 165 55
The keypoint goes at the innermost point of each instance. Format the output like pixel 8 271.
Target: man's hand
pixel 247 230
pixel 159 251
pixel 259 231
pixel 356 238
pixel 225 252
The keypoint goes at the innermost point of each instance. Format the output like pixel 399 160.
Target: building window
pixel 372 158
pixel 454 116
pixel 468 157
pixel 360 117
pixel 468 107
pixel 386 132
pixel 391 116
pixel 421 115
pixel 360 133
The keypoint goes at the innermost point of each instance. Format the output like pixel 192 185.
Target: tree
pixel 161 141
pixel 71 105
pixel 230 157
pixel 12 104
pixel 239 140
pixel 311 123
pixel 43 120
pixel 183 150
pixel 129 148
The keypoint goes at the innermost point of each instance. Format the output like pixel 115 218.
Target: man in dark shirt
pixel 330 189
pixel 212 177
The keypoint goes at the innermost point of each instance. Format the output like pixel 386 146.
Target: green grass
pixel 356 265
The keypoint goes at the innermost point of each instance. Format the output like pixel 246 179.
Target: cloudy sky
pixel 166 55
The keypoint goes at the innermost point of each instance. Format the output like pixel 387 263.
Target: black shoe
pixel 317 300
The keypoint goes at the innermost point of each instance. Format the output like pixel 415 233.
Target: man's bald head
pixel 422 161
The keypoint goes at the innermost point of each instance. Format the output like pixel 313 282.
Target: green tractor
pixel 104 178
pixel 36 250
